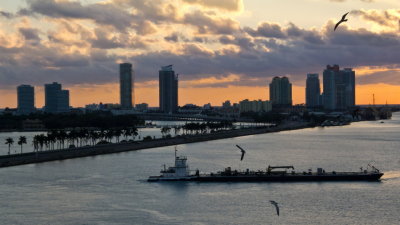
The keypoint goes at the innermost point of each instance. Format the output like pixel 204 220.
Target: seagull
pixel 243 152
pixel 276 206
pixel 341 21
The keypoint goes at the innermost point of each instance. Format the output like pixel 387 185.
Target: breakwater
pixel 54 155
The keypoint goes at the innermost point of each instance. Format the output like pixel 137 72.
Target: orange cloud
pixel 367 70
pixel 211 81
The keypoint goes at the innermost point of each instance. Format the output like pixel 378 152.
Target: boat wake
pixel 159 216
pixel 389 175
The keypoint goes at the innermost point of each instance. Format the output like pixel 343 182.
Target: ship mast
pixel 175 151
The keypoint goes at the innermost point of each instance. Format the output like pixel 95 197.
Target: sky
pixel 221 49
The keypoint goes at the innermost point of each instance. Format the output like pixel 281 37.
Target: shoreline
pixel 55 155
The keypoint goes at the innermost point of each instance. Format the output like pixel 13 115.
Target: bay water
pixel 112 189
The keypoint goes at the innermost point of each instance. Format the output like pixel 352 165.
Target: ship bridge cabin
pixel 181 169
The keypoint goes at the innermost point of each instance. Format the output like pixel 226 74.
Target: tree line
pixel 104 120
pixel 197 128
pixel 60 138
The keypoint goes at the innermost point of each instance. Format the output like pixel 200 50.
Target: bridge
pixel 188 117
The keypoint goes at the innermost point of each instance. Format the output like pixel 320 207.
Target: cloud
pixel 7 15
pixel 388 18
pixel 145 28
pixel 104 40
pixel 384 77
pixel 368 1
pixel 82 43
pixel 174 37
pixel 212 81
pixel 209 24
pixel 229 5
pixel 106 14
pixel 269 30
pixel 30 33
pixel 195 50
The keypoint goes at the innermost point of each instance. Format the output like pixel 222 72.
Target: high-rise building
pixel 56 99
pixel 254 106
pixel 126 85
pixel 63 101
pixel 26 99
pixel 280 92
pixel 313 91
pixel 329 83
pixel 168 90
pixel 349 80
pixel 339 88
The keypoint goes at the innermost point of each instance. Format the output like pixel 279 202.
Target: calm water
pixel 110 189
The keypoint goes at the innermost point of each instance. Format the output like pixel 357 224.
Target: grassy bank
pixel 53 155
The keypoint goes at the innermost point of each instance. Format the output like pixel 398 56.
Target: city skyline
pixel 222 48
pixel 339 76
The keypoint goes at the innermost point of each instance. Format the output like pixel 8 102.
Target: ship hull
pixel 274 178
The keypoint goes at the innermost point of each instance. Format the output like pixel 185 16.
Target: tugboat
pixel 180 172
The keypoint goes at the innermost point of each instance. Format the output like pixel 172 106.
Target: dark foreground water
pixel 110 189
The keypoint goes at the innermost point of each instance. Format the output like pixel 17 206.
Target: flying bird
pixel 341 21
pixel 276 206
pixel 243 152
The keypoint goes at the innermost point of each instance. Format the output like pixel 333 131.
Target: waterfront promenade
pixel 53 155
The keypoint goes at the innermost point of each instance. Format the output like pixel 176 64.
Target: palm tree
pixel 35 142
pixel 83 136
pixel 21 141
pixel 117 134
pixel 127 132
pixel 9 142
pixel 177 129
pixel 62 135
pixel 41 141
pixel 51 139
pixel 134 132
pixel 72 136
pixel 102 134
pixel 93 136
pixel 109 135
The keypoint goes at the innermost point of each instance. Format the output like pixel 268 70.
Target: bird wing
pixel 344 16
pixel 337 25
pixel 241 158
pixel 241 149
pixel 276 206
pixel 341 21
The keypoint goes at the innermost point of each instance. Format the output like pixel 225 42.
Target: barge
pixel 181 172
